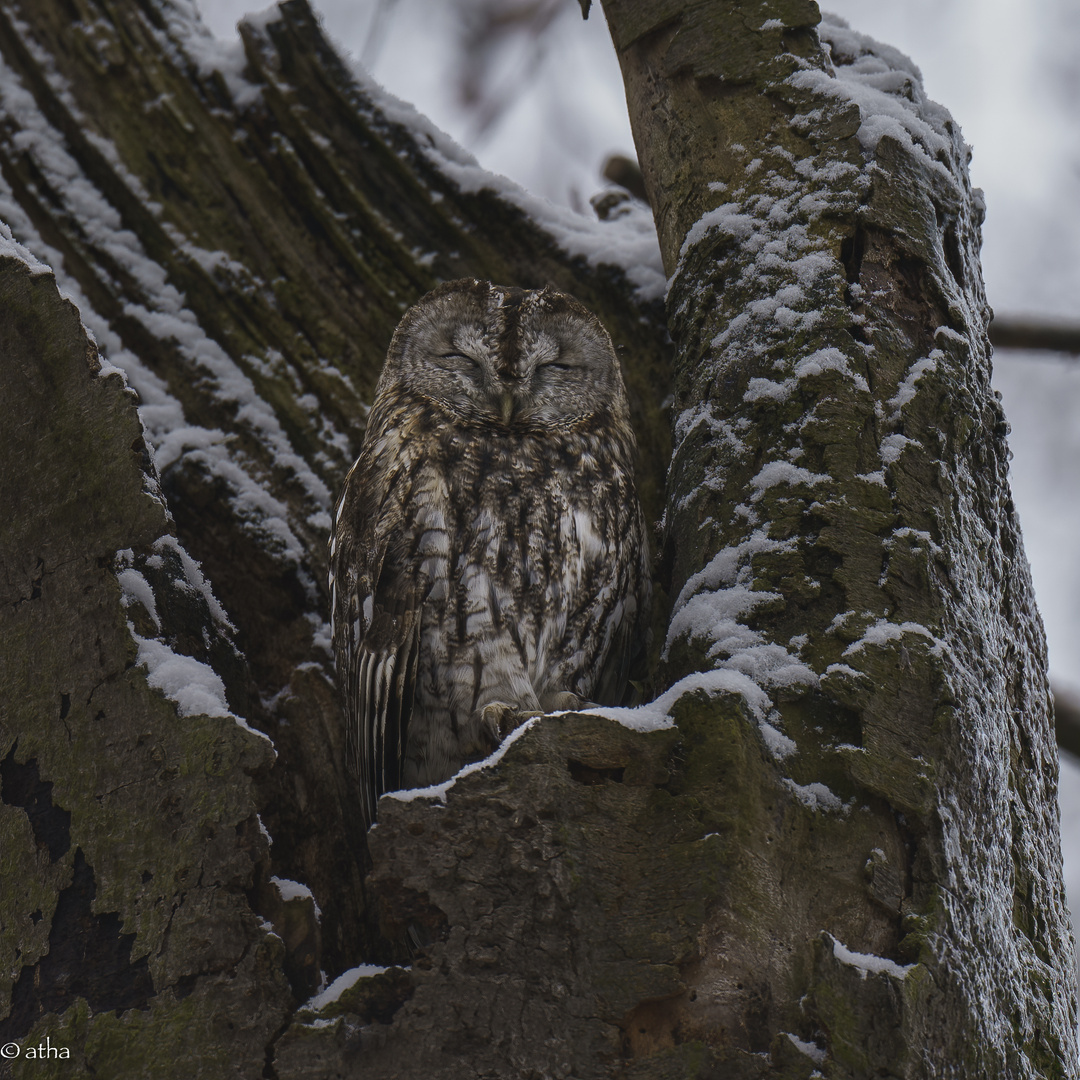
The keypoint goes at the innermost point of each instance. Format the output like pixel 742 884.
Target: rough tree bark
pixel 809 873
pixel 839 489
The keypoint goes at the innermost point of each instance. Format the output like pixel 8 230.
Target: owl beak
pixel 507 404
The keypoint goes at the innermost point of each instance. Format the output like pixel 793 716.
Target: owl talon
pixel 499 719
pixel 515 720
pixel 493 718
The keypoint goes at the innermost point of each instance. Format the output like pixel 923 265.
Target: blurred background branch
pixel 1067 722
pixel 1033 334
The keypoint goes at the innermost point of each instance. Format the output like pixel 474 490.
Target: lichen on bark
pixel 130 831
pixel 841 531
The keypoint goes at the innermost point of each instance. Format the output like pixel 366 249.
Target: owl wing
pixel 376 632
pixel 628 645
pixel 612 678
pixel 630 637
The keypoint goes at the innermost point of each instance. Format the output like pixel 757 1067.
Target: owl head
pixel 505 357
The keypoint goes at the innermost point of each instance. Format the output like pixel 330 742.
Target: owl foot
pixel 498 719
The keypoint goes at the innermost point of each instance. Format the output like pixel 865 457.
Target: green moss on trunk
pixel 129 831
pixel 839 495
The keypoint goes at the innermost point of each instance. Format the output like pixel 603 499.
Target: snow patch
pixel 194 578
pixel 780 746
pixel 814 1052
pixel 892 446
pixel 184 27
pixel 887 88
pixel 883 631
pixel 783 472
pixel 438 791
pixel 135 589
pixel 11 248
pixel 815 796
pixel 293 890
pixel 193 686
pixel 346 981
pixel 906 390
pixel 868 964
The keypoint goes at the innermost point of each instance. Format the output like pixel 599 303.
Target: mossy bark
pixel 129 834
pixel 840 477
pixel 603 902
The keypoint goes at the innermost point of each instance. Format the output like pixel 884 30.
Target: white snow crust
pixel 867 964
pixel 11 247
pixel 136 589
pixel 294 890
pixel 193 686
pixel 438 791
pixel 814 1052
pixel 343 982
pixel 814 796
pixel 883 631
pixel 187 37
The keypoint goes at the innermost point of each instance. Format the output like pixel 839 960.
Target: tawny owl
pixel 489 552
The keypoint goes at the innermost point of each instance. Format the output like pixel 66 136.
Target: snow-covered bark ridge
pixel 841 532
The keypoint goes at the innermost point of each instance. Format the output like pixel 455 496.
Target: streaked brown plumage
pixel 489 551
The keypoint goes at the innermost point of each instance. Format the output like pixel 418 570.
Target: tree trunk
pixel 841 532
pixel 788 879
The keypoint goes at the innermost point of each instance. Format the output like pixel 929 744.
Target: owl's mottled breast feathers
pixel 489 549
